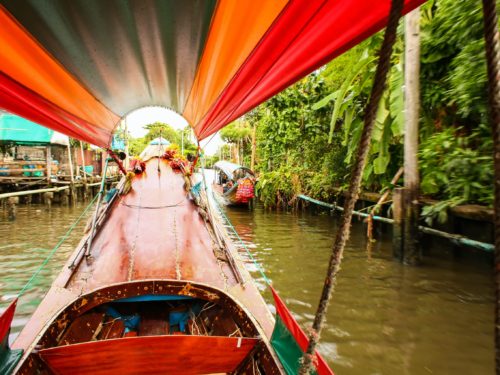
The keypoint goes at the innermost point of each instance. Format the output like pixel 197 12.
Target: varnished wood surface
pixel 150 355
pixel 154 232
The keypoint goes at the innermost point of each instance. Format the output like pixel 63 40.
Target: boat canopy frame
pixel 231 169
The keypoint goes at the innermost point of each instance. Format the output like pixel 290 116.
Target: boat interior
pixel 152 327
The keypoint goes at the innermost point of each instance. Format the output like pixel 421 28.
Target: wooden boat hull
pixel 229 198
pixel 152 242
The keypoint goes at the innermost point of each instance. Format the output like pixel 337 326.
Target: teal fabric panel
pixel 8 358
pixel 286 348
pixel 18 130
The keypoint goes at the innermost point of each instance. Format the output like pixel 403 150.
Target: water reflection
pixel 384 318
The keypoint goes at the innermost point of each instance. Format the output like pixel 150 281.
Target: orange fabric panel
pixel 25 61
pixel 236 29
pixel 176 354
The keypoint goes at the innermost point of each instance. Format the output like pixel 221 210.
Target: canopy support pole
pixel 357 172
pixel 492 39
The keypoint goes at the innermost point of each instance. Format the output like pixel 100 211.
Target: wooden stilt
pixel 48 164
pixel 72 177
pixel 84 174
pixel 397 226
pixel 47 198
pixel 411 251
pixel 12 203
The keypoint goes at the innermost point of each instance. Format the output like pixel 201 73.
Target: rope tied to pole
pixel 356 175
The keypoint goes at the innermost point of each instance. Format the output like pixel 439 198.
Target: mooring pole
pixel 48 166
pixel 254 147
pixel 126 162
pixel 82 153
pixel 411 250
pixel 343 230
pixel 70 161
pixel 492 39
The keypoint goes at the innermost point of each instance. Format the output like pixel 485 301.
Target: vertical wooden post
pixel 48 158
pixel 127 145
pixel 83 162
pixel 398 225
pixel 47 198
pixel 12 203
pixel 254 146
pixel 411 251
pixel 492 43
pixel 70 161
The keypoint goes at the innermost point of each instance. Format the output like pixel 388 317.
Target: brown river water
pixel 384 318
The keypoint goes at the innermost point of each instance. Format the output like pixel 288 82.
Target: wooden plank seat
pixel 150 355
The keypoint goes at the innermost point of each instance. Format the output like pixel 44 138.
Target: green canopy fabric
pixel 19 131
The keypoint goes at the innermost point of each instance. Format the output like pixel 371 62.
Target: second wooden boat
pixel 233 184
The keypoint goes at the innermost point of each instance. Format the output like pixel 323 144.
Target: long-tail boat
pixel 233 184
pixel 156 285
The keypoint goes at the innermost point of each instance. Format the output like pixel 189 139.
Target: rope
pixel 255 262
pixel 153 207
pixel 228 222
pixel 492 44
pixel 356 175
pixel 51 254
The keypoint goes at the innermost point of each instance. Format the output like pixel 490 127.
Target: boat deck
pixel 153 232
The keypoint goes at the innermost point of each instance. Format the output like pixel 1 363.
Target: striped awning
pixel 79 66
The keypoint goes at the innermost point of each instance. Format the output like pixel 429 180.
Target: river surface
pixel 384 318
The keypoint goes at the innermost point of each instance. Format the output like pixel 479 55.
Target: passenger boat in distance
pixel 233 184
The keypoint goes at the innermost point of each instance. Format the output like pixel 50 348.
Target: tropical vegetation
pixel 307 135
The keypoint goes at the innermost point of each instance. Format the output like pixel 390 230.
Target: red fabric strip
pixel 308 34
pixel 21 101
pixel 6 319
pixel 297 332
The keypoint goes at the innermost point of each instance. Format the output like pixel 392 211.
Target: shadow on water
pixel 384 318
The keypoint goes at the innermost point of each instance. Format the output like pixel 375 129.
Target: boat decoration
pixel 8 358
pixel 234 184
pixel 137 166
pixel 290 342
pixel 78 67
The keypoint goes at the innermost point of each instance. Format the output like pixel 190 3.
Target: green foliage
pixel 307 135
pixel 279 188
pixel 157 129
pixel 237 131
pixel 456 169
